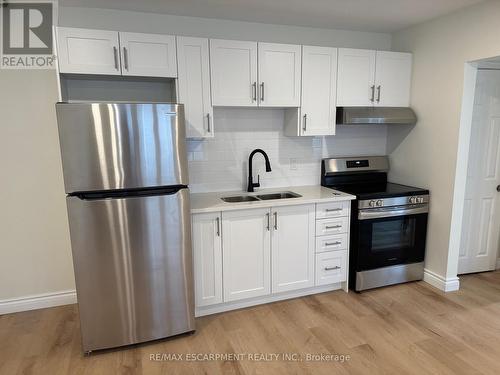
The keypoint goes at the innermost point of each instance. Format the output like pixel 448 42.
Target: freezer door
pixel 121 146
pixel 133 268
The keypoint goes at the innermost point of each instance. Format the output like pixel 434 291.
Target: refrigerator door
pixel 133 268
pixel 121 146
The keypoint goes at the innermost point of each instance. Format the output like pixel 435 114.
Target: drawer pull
pixel 333 226
pixel 332 268
pixel 333 209
pixel 333 243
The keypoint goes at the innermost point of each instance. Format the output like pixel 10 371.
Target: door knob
pixel 498 188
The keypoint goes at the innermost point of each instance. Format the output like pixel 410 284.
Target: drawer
pixel 326 227
pixel 331 243
pixel 332 209
pixel 331 267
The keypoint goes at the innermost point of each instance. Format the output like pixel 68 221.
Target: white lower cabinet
pixel 292 247
pixel 207 252
pixel 331 267
pixel 246 244
pixel 251 256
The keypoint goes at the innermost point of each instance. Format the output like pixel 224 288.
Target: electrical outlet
pixel 293 164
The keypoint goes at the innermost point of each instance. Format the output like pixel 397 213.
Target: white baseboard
pixel 498 264
pixel 234 305
pixel 39 301
pixel 445 284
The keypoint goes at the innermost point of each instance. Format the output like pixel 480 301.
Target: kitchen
pixel 223 130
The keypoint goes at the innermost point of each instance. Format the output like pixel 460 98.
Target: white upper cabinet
pixel 279 75
pixel 246 244
pixel 356 78
pixel 207 254
pixel 193 85
pixel 319 84
pixel 373 78
pixel 85 51
pixel 233 73
pixel 149 55
pixel 293 247
pixel 393 79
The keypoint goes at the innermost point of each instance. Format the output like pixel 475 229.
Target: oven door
pixel 390 236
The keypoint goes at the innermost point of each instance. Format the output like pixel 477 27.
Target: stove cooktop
pixel 385 190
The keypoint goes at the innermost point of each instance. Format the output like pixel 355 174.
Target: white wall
pixel 221 163
pixel 213 28
pixel 35 252
pixel 428 156
pixel 35 255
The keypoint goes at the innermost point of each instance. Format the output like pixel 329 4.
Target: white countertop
pixel 212 202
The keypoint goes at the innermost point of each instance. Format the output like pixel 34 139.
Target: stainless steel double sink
pixel 261 197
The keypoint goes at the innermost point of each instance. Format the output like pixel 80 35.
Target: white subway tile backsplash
pixel 221 163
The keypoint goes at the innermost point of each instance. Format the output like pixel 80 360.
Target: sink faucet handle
pixel 257 184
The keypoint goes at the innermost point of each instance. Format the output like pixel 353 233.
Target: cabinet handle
pixel 498 188
pixel 333 243
pixel 217 220
pixel 208 123
pixel 268 222
pixel 254 91
pixel 262 92
pixel 115 55
pixel 333 209
pixel 333 226
pixel 275 220
pixel 372 99
pixel 332 268
pixel 379 88
pixel 304 125
pixel 125 57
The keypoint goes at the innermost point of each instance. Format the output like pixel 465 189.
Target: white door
pixel 279 75
pixel 207 254
pixel 148 55
pixel 293 247
pixel 481 224
pixel 84 51
pixel 246 245
pixel 356 78
pixel 233 66
pixel 319 86
pixel 193 85
pixel 393 79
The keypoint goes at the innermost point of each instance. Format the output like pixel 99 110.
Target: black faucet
pixel 251 184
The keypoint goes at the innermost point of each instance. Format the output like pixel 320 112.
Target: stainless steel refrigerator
pixel 126 180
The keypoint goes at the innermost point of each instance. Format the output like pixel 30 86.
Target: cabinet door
pixel 279 75
pixel 148 55
pixel 207 253
pixel 319 85
pixel 293 247
pixel 393 79
pixel 246 253
pixel 356 78
pixel 233 66
pixel 85 51
pixel 194 86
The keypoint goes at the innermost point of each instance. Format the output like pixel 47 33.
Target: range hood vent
pixel 376 116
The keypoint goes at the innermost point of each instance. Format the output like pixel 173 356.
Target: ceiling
pixel 362 15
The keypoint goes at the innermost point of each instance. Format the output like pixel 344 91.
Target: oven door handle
pixel 377 213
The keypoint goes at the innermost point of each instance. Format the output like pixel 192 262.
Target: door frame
pixel 463 154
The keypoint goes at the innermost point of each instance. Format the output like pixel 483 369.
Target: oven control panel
pixel 394 201
pixel 416 200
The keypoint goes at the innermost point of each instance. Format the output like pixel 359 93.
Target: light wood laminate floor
pixel 405 329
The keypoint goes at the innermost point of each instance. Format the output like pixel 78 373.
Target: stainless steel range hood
pixel 375 115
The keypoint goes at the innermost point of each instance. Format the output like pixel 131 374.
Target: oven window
pixel 394 234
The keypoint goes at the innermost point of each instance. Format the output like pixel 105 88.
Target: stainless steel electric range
pixel 388 222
